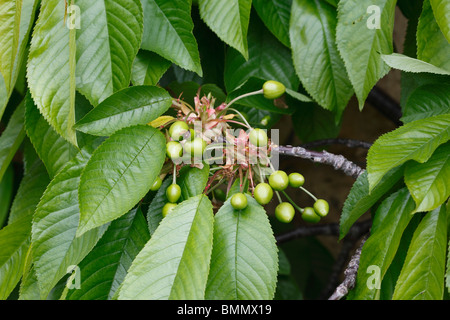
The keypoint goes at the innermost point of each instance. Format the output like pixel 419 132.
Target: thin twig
pixel 338 162
pixel 350 143
pixel 349 274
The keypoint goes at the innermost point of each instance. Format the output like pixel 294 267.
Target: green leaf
pixel 312 122
pixel 408 64
pixel 441 10
pixel 53 150
pixel 426 101
pixel 244 261
pixel 174 264
pixel 267 59
pixel 192 181
pixel 416 140
pixel 119 174
pixel 298 96
pixel 361 53
pixel 422 277
pixel 168 32
pixel 315 54
pixel 51 69
pixel 107 43
pixel 113 255
pixel 30 191
pixel 6 190
pixel 359 200
pixel 15 240
pixel 389 223
pixel 55 246
pixel 11 138
pixel 148 68
pixel 275 15
pixel 229 20
pixel 432 46
pixel 128 107
pixel 428 182
pixel 17 18
pixel 187 91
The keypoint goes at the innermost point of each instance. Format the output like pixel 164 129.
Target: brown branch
pixel 350 143
pixel 350 274
pixel 338 162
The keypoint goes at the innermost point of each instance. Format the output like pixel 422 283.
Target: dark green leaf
pixel 148 68
pixel 113 255
pixel 275 15
pixel 168 32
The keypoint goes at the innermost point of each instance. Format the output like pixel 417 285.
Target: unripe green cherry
pixel 309 215
pixel 168 207
pixel 285 212
pixel 263 193
pixel 273 89
pixel 156 185
pixel 321 207
pixel 173 193
pixel 258 137
pixel 195 147
pixel 174 150
pixel 279 180
pixel 239 201
pixel 219 194
pixel 177 129
pixel 296 180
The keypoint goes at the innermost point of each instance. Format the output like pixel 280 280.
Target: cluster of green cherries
pixel 285 211
pixel 279 181
pixel 263 192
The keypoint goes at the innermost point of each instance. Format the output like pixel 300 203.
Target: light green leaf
pixel 426 101
pixel 51 69
pixel 298 96
pixel 15 240
pixel 229 20
pixel 119 174
pixel 315 54
pixel 267 59
pixel 389 222
pixel 112 256
pixel 361 53
pixel 174 264
pixel 416 140
pixel 54 245
pixel 53 150
pixel 16 20
pixel 107 42
pixel 128 107
pixel 30 192
pixel 148 68
pixel 408 64
pixel 275 15
pixel 168 32
pixel 244 262
pixel 432 46
pixel 11 138
pixel 429 182
pixel 422 277
pixel 441 10
pixel 192 181
pixel 359 200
